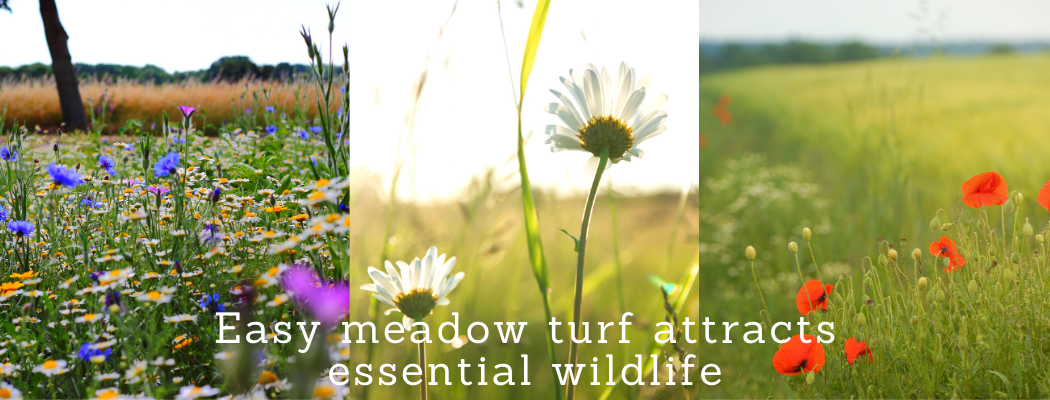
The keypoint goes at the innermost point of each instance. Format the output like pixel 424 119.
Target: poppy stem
pixel 760 295
pixel 603 161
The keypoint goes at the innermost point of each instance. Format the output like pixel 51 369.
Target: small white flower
pixel 51 367
pixel 419 287
pixel 612 114
pixel 192 392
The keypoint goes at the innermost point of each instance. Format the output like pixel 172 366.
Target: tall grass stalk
pixel 528 204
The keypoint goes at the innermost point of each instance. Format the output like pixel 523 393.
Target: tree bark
pixel 62 67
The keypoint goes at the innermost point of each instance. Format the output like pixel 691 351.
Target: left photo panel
pixel 174 199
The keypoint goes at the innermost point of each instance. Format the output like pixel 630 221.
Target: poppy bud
pixel 1039 238
pixel 963 342
pixel 940 295
pixel 935 224
pixel 914 320
pixel 852 309
pixel 922 283
pixel 882 260
pixel 1016 258
pixel 867 281
pixel 991 250
pixel 916 254
pixel 810 377
pixel 972 287
pixel 750 253
pixel 861 320
pixel 945 227
pixel 939 358
pixel 793 247
pixel 1008 207
pixel 807 234
pixel 893 255
pixel 930 296
pixel 1027 228
pixel 1009 275
pixel 1019 197
pixel 981 224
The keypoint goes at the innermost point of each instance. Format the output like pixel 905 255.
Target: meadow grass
pixel 34 102
pixel 865 154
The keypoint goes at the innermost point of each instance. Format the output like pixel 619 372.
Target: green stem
pixel 423 367
pixel 580 257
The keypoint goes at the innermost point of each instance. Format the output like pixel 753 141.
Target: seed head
pixel 750 253
pixel 807 234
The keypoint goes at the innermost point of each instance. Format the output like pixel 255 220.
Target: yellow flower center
pixel 5 394
pixel 323 392
pixel 605 131
pixel 417 303
pixel 50 364
pixel 154 295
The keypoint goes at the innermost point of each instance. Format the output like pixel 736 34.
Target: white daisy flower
pixel 192 392
pixel 9 392
pixel 419 287
pixel 51 367
pixel 606 114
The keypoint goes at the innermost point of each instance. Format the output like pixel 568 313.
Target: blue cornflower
pixel 303 135
pixel 269 109
pixel 63 175
pixel 3 213
pixel 90 203
pixel 344 208
pixel 210 234
pixel 21 228
pixel 271 129
pixel 212 304
pixel 86 352
pixel 112 297
pixel 7 155
pixel 316 129
pixel 166 165
pixel 107 164
pixel 216 195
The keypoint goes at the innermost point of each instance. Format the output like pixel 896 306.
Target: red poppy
pixel 813 296
pixel 703 141
pixel 946 248
pixel 796 357
pixel 856 349
pixel 987 189
pixel 721 111
pixel 1044 196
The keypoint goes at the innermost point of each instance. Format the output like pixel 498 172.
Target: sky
pixel 875 21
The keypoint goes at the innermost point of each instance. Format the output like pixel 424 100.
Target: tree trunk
pixel 62 68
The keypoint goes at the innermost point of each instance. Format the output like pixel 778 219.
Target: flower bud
pixel 963 342
pixel 1009 275
pixel 1019 197
pixel 861 319
pixel 972 287
pixel 930 296
pixel 922 283
pixel 1039 238
pixel 810 377
pixel 1009 206
pixel 750 253
pixel 914 320
pixel 1016 258
pixel 807 234
pixel 940 295
pixel 939 358
pixel 916 254
pixel 935 224
pixel 981 224
pixel 991 250
pixel 893 255
pixel 793 247
pixel 882 260
pixel 1027 229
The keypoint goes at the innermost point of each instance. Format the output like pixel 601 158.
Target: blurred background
pixel 859 120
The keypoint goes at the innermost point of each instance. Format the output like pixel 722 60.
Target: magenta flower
pixel 187 111
pixel 159 191
pixel 328 302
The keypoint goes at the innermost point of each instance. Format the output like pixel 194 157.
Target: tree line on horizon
pixel 733 55
pixel 231 68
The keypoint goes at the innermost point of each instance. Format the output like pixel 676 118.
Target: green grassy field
pixel 858 152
